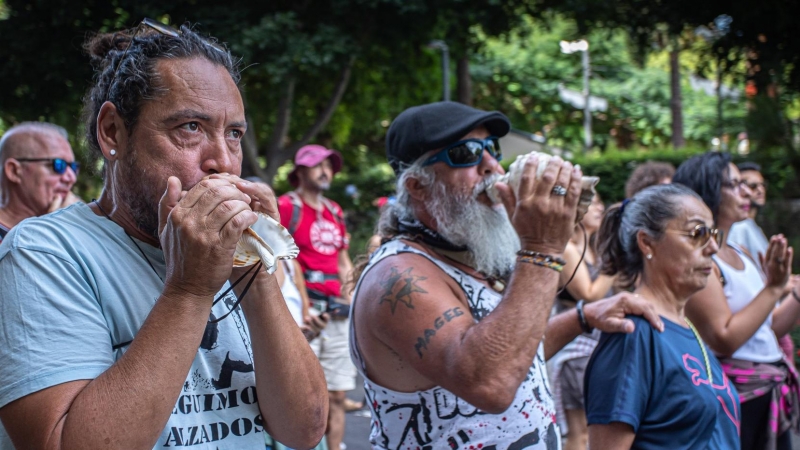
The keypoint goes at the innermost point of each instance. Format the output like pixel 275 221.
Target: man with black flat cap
pixel 449 316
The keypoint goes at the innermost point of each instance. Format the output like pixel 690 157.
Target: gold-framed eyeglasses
pixel 701 235
pixel 159 27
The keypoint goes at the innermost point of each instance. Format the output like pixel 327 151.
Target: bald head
pixel 28 139
pixel 27 175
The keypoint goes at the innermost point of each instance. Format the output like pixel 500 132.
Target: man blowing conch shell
pixel 117 325
pixel 450 315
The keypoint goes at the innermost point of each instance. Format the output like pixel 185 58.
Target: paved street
pixel 357 432
pixel 357 426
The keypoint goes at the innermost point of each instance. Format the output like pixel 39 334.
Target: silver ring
pixel 559 190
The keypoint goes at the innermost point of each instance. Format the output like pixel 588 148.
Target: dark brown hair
pixel 136 80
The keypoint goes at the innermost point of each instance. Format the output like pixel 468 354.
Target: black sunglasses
pixel 59 165
pixel 160 28
pixel 467 153
pixel 701 235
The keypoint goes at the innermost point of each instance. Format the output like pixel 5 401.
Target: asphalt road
pixel 356 434
pixel 357 424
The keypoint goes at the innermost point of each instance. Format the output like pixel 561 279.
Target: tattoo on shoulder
pixel 399 286
pixel 439 322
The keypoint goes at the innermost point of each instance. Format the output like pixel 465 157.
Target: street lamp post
pixel 441 45
pixel 583 47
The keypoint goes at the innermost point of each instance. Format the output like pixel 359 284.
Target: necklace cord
pixel 241 297
pixel 222 295
pixel 131 238
pixel 580 261
pixel 219 297
pixel 702 349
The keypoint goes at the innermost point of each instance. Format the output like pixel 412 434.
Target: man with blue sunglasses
pixel 450 313
pixel 38 170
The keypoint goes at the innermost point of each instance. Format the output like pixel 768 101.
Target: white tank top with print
pixel 436 418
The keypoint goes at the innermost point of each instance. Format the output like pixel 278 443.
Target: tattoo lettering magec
pixel 398 288
pixel 439 322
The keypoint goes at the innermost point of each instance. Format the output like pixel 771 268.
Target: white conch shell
pixel 266 240
pixel 514 176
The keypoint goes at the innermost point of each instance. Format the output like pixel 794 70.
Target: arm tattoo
pixel 398 288
pixel 439 322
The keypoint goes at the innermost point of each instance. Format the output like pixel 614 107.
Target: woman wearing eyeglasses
pixel 736 313
pixel 650 389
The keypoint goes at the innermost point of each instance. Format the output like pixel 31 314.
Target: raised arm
pixel 294 392
pixel 422 315
pixel 786 314
pixel 346 274
pixel 725 331
pixel 128 405
pixel 582 287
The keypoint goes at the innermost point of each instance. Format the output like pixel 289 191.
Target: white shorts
pixel 332 347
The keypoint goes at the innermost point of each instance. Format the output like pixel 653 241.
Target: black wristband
pixel 582 317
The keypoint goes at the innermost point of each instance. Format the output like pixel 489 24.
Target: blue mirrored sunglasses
pixel 59 165
pixel 467 153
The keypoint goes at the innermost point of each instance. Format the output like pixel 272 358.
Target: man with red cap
pixel 317 225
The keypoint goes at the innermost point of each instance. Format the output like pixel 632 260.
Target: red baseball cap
pixel 310 156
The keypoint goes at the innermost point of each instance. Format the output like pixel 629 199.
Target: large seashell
pixel 266 240
pixel 514 176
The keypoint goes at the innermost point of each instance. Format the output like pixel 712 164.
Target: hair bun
pixel 100 45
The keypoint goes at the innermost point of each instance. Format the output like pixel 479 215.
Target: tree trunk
pixel 250 166
pixel 276 156
pixel 283 117
pixel 463 81
pixel 676 102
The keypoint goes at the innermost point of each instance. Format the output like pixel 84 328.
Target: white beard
pixel 485 231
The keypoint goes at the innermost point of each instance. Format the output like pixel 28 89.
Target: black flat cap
pixel 423 128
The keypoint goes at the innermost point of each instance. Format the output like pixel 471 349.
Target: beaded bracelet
pixel 541 255
pixel 544 261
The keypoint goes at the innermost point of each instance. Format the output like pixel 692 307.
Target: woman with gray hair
pixel 651 390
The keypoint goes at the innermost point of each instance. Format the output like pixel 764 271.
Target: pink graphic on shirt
pixel 699 377
pixel 326 237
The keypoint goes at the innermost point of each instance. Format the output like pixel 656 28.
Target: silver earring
pixel 649 256
pixel 113 152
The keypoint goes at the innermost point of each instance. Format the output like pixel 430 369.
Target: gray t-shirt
pixel 74 290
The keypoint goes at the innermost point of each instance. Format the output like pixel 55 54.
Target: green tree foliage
pixel 765 32
pixel 520 75
pixel 302 59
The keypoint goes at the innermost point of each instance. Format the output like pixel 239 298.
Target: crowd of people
pixel 660 322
